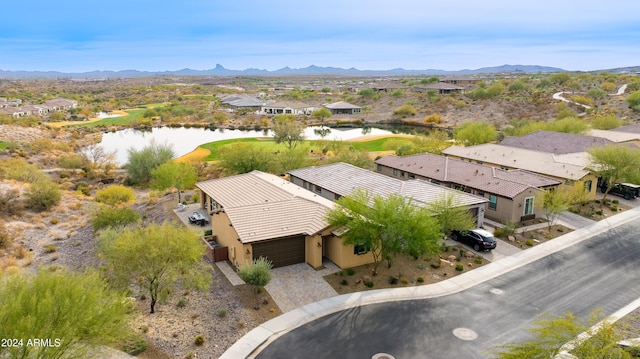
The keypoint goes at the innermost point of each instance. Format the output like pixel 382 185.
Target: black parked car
pixel 479 239
pixel 624 190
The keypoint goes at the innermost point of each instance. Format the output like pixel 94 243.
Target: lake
pixel 184 140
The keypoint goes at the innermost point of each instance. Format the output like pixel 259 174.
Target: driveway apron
pixel 299 284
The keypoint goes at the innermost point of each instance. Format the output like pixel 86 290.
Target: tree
pixel 554 202
pixel 142 162
pixel 286 129
pixel 358 158
pixel 321 114
pixel 615 164
pixel 552 335
pixel 42 195
pixel 451 215
pixel 293 159
pixel 385 225
pixel 257 274
pixel 475 133
pixel 75 311
pixel 99 159
pixel 178 175
pixel 154 258
pixel 243 157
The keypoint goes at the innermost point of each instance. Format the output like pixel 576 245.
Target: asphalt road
pixel 601 272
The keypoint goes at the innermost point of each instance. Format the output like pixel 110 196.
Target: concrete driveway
pixel 299 284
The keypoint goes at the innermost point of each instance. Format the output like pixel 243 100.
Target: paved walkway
pixel 296 285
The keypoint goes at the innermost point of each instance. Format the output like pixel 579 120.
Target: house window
pixel 305 184
pixel 360 249
pixel 587 186
pixel 412 176
pixel 402 174
pixel 493 202
pixel 395 172
pixel 379 168
pixel 528 206
pixel 480 193
pixel 336 196
pixel 318 189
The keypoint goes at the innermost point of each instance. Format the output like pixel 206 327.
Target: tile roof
pixel 571 166
pixel 440 86
pixel 616 136
pixel 635 128
pixel 262 206
pixel 288 104
pixel 555 142
pixel 342 178
pixel 506 183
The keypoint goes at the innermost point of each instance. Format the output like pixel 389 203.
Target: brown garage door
pixel 282 252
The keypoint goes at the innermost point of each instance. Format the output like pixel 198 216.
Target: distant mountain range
pixel 219 70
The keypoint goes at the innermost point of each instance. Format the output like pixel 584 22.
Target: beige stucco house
pixel 569 168
pixel 340 179
pixel 258 214
pixel 512 194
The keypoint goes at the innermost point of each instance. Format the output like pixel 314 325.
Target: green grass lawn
pixel 3 145
pixel 375 145
pixel 134 115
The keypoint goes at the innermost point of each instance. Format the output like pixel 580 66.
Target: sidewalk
pixel 278 326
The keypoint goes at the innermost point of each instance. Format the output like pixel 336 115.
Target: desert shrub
pixel 615 201
pixel 498 232
pixel 83 187
pixel 50 249
pixel 199 341
pixel 222 313
pixel 599 212
pixel 5 238
pixel 181 303
pixel 478 260
pixel 614 208
pixel 433 119
pixel 420 279
pixel 421 266
pixel 208 232
pixel 351 271
pixel 393 280
pixel 529 242
pixel 71 161
pixel 54 221
pixel 509 228
pixel 195 198
pixel 108 217
pixel 459 267
pixel 405 111
pixel 19 170
pixel 42 195
pixel 405 281
pixel 344 282
pixel 435 265
pixel 368 284
pixel 116 194
pixel 560 229
pixel 10 201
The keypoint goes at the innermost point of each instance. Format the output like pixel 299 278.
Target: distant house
pixel 570 168
pixel 257 214
pixel 286 107
pixel 385 87
pixel 512 194
pixel 11 111
pixel 460 81
pixel 441 87
pixel 242 102
pixel 60 104
pixel 340 179
pixel 343 108
pixel 627 134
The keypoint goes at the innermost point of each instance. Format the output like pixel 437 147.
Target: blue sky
pixel 85 35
